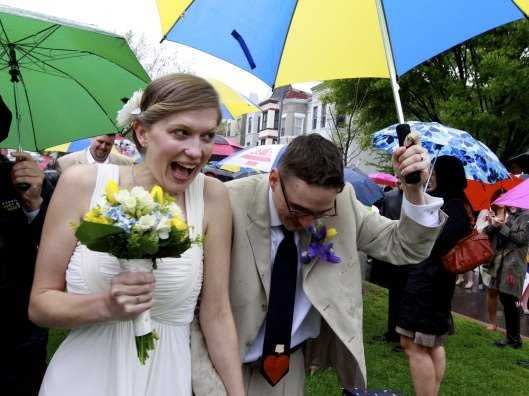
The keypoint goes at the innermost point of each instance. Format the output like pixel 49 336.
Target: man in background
pixel 98 152
pixel 24 197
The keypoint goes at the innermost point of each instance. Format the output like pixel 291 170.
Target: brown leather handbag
pixel 471 251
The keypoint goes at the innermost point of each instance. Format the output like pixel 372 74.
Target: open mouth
pixel 181 170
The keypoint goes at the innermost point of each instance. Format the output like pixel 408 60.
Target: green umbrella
pixel 61 81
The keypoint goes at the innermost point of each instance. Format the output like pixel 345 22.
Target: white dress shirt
pixel 91 159
pixel 306 322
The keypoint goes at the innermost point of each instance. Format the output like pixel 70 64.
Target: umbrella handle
pixel 402 131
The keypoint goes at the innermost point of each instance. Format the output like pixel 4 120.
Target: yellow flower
pixel 178 224
pixel 331 233
pixel 95 216
pixel 110 190
pixel 157 194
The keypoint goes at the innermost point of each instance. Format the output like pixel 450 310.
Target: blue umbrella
pixel 315 40
pixel 366 190
pixel 480 162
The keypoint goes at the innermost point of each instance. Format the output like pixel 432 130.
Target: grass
pixel 475 367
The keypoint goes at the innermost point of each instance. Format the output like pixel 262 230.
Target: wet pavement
pixel 473 303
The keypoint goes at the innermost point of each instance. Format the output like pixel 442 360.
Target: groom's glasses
pixel 300 211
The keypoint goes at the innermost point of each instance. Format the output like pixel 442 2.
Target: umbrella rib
pixel 176 21
pixel 284 43
pixel 28 52
pixel 38 63
pixel 54 26
pixel 29 110
pixel 82 86
pixel 520 9
pixel 96 55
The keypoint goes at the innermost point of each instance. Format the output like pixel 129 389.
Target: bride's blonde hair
pixel 168 95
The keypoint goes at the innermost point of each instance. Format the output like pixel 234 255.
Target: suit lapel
pixel 258 233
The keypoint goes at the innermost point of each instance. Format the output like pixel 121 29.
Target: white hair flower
pixel 129 110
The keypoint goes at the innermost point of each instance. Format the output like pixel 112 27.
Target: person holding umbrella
pixel 22 213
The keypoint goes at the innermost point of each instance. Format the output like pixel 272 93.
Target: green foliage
pixel 177 243
pixel 141 244
pixel 479 86
pixel 102 237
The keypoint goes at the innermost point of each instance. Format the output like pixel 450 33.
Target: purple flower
pixel 318 247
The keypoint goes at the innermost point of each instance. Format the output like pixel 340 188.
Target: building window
pixel 298 126
pixel 259 123
pixel 249 125
pixel 265 117
pixel 276 119
pixel 283 123
pixel 323 115
pixel 263 141
pixel 314 117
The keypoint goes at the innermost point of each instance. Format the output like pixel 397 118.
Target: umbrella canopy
pixel 384 179
pixel 223 148
pixel 76 145
pixel 233 104
pixel 480 194
pixel 259 158
pixel 315 40
pixel 518 197
pixel 64 81
pixel 366 190
pixel 479 161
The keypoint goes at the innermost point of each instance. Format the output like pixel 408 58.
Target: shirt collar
pixel 274 217
pixel 91 159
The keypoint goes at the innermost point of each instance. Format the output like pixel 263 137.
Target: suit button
pixel 264 307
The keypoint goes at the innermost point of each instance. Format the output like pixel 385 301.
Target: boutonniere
pixel 320 245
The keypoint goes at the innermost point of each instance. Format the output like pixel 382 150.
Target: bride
pixel 75 288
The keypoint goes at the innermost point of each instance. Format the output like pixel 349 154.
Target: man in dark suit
pixel 22 212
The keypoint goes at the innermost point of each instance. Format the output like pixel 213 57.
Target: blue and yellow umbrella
pixel 233 104
pixel 289 41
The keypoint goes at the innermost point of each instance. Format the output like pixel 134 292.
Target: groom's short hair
pixel 315 160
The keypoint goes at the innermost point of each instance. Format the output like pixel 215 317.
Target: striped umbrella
pixel 289 41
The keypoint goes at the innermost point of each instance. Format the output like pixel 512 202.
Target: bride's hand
pixel 130 294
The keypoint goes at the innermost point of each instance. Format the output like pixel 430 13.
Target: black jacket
pixel 427 301
pixel 19 240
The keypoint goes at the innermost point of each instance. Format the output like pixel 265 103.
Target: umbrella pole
pixel 390 61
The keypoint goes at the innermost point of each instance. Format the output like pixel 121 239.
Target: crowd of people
pixel 243 312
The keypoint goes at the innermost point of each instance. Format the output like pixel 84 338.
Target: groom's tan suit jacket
pixel 335 290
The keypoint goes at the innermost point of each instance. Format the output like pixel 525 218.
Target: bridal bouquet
pixel 137 227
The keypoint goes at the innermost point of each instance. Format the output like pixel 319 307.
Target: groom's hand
pixel 411 159
pixel 130 294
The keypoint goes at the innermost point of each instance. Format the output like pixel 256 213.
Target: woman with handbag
pixel 425 316
pixel 510 236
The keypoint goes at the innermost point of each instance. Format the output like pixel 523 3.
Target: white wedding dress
pixel 100 359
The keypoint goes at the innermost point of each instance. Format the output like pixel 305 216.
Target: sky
pixel 141 17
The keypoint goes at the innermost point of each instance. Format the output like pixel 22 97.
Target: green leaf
pixel 101 237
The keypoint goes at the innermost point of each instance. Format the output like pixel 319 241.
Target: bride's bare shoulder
pixel 77 180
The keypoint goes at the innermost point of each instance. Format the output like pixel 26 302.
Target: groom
pixel 280 303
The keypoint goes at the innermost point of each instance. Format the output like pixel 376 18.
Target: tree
pixel 156 59
pixel 343 107
pixel 480 86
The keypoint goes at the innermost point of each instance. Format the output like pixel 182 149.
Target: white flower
pixel 163 228
pixel 130 110
pixel 122 196
pixel 143 197
pixel 130 204
pixel 146 223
